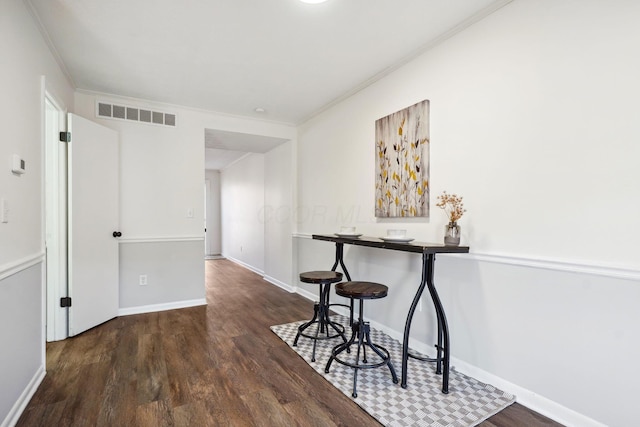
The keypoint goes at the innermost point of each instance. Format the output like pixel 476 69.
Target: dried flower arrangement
pixel 452 205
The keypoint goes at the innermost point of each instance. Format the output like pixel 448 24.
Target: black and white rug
pixel 422 403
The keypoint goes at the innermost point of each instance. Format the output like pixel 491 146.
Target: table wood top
pixel 376 242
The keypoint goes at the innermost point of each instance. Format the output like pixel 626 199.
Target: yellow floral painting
pixel 402 163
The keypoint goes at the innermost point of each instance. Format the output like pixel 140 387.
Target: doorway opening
pixel 212 223
pixel 223 149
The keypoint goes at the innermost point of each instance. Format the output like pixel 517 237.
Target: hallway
pixel 214 365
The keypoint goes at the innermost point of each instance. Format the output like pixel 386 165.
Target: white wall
pixel 242 203
pixel 173 270
pixel 22 363
pixel 21 112
pixel 161 179
pixel 533 122
pixel 25 59
pixel 257 199
pixel 214 222
pixel 278 214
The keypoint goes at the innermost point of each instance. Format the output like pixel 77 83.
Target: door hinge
pixel 65 136
pixel 65 302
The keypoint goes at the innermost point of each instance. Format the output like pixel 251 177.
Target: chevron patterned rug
pixel 422 403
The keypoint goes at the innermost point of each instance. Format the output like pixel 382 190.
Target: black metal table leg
pixel 442 347
pixel 443 333
pixel 340 260
pixel 439 347
pixel 407 325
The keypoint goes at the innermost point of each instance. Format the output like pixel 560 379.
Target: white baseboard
pixel 308 295
pixel 269 279
pixel 279 284
pixel 161 307
pixel 245 265
pixel 528 398
pixel 16 410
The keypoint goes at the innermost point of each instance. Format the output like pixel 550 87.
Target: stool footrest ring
pixel 317 335
pixel 338 304
pixel 360 365
pixel 424 358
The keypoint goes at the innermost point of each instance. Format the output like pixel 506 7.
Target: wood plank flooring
pixel 215 365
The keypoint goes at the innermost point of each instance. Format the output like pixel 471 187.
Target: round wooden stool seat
pixel 361 290
pixel 320 277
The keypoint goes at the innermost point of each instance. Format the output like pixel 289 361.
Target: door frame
pixel 207 203
pixel 54 226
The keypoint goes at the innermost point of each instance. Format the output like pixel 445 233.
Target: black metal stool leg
pixel 375 348
pixel 364 327
pixel 357 367
pixel 339 349
pixel 351 313
pixel 304 326
pixel 322 291
pixel 326 308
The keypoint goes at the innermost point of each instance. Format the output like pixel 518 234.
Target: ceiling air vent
pixel 145 116
pixel 108 110
pixel 118 112
pixel 132 113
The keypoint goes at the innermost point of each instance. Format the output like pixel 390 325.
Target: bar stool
pixel 361 332
pixel 324 279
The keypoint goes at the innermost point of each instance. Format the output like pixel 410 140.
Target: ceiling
pixel 223 148
pixel 289 58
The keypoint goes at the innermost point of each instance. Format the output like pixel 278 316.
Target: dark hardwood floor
pixel 216 365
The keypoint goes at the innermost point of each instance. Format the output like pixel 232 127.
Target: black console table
pixel 428 251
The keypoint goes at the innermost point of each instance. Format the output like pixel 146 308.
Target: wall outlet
pixel 143 280
pixel 190 213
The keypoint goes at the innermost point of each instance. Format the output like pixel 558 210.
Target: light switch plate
pixel 17 165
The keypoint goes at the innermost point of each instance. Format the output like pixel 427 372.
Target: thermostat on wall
pixel 18 165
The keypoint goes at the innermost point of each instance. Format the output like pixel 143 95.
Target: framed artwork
pixel 402 163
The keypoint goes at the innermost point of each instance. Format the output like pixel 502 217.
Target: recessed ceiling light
pixel 259 110
pixel 313 1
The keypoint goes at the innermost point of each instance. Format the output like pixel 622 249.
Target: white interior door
pixel 93 219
